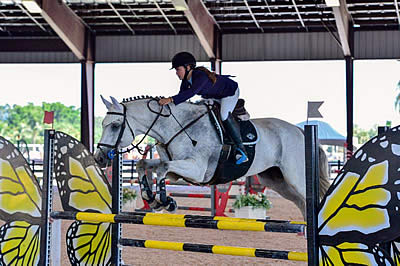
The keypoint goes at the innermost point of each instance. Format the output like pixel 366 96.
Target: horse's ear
pixel 116 103
pixel 106 103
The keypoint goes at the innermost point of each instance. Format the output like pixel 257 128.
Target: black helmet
pixel 183 59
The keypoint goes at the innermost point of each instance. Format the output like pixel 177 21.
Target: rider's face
pixel 180 72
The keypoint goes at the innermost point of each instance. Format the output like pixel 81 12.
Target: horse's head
pixel 114 135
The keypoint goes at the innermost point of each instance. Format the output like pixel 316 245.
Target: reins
pixel 114 148
pixel 183 129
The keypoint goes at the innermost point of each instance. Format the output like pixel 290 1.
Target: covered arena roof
pixel 150 17
pixel 128 30
pixel 114 31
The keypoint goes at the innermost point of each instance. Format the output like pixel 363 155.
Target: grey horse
pixel 279 160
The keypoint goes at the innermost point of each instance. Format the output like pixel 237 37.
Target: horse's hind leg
pixel 274 179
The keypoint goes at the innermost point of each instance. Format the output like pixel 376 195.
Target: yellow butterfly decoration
pixel 395 251
pixel 83 187
pixel 20 208
pixel 360 211
pixel 362 207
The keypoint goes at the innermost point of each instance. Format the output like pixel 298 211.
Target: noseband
pixel 114 148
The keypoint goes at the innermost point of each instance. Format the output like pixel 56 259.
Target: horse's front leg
pixel 185 168
pixel 146 182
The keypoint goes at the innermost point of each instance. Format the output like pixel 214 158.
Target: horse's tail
pixel 324 182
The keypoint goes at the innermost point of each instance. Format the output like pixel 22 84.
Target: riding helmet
pixel 183 59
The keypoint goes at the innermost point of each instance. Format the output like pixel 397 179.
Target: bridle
pixel 114 148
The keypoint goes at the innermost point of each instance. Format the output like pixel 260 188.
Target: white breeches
pixel 228 104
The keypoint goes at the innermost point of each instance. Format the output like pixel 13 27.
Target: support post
pixel 213 199
pixel 87 90
pixel 87 104
pixel 216 62
pixel 349 103
pixel 116 207
pixel 55 255
pixel 47 197
pixel 312 191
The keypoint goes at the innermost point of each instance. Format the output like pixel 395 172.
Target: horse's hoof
pixel 156 206
pixel 171 205
pixel 159 209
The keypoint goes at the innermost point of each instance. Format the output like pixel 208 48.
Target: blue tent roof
pixel 326 134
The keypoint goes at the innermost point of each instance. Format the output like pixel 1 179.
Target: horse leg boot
pixel 233 129
pixel 187 168
pixel 147 194
pixel 146 191
pixel 166 202
pixel 145 186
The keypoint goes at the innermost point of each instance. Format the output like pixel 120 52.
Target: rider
pixel 201 81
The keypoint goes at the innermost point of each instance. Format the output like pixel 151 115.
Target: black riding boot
pixel 233 130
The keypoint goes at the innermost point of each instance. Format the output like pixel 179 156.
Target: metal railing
pixel 128 169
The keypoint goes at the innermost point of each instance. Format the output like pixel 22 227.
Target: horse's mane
pixel 143 97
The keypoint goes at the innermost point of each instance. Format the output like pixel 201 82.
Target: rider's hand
pixel 165 101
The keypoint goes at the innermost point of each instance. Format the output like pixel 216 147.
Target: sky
pixel 271 89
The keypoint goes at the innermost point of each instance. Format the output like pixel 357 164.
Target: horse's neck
pixel 165 127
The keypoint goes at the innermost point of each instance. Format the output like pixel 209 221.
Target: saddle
pixel 227 169
pixel 247 130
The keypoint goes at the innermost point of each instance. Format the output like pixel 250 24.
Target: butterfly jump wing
pixel 83 187
pixel 19 243
pixel 81 183
pixel 353 254
pixel 89 243
pixel 361 207
pixel 20 194
pixel 20 207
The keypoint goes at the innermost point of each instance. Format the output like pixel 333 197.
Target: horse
pixel 189 148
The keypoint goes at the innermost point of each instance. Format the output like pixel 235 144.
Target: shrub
pixel 128 194
pixel 256 201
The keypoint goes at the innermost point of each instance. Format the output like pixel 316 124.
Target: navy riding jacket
pixel 203 86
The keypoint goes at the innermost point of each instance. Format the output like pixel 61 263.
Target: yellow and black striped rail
pixel 162 220
pixel 214 249
pixel 219 218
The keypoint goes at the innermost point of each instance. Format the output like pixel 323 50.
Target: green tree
pixel 363 135
pixel 27 121
pixel 66 119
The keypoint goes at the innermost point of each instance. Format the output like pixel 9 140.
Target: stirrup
pixel 243 158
